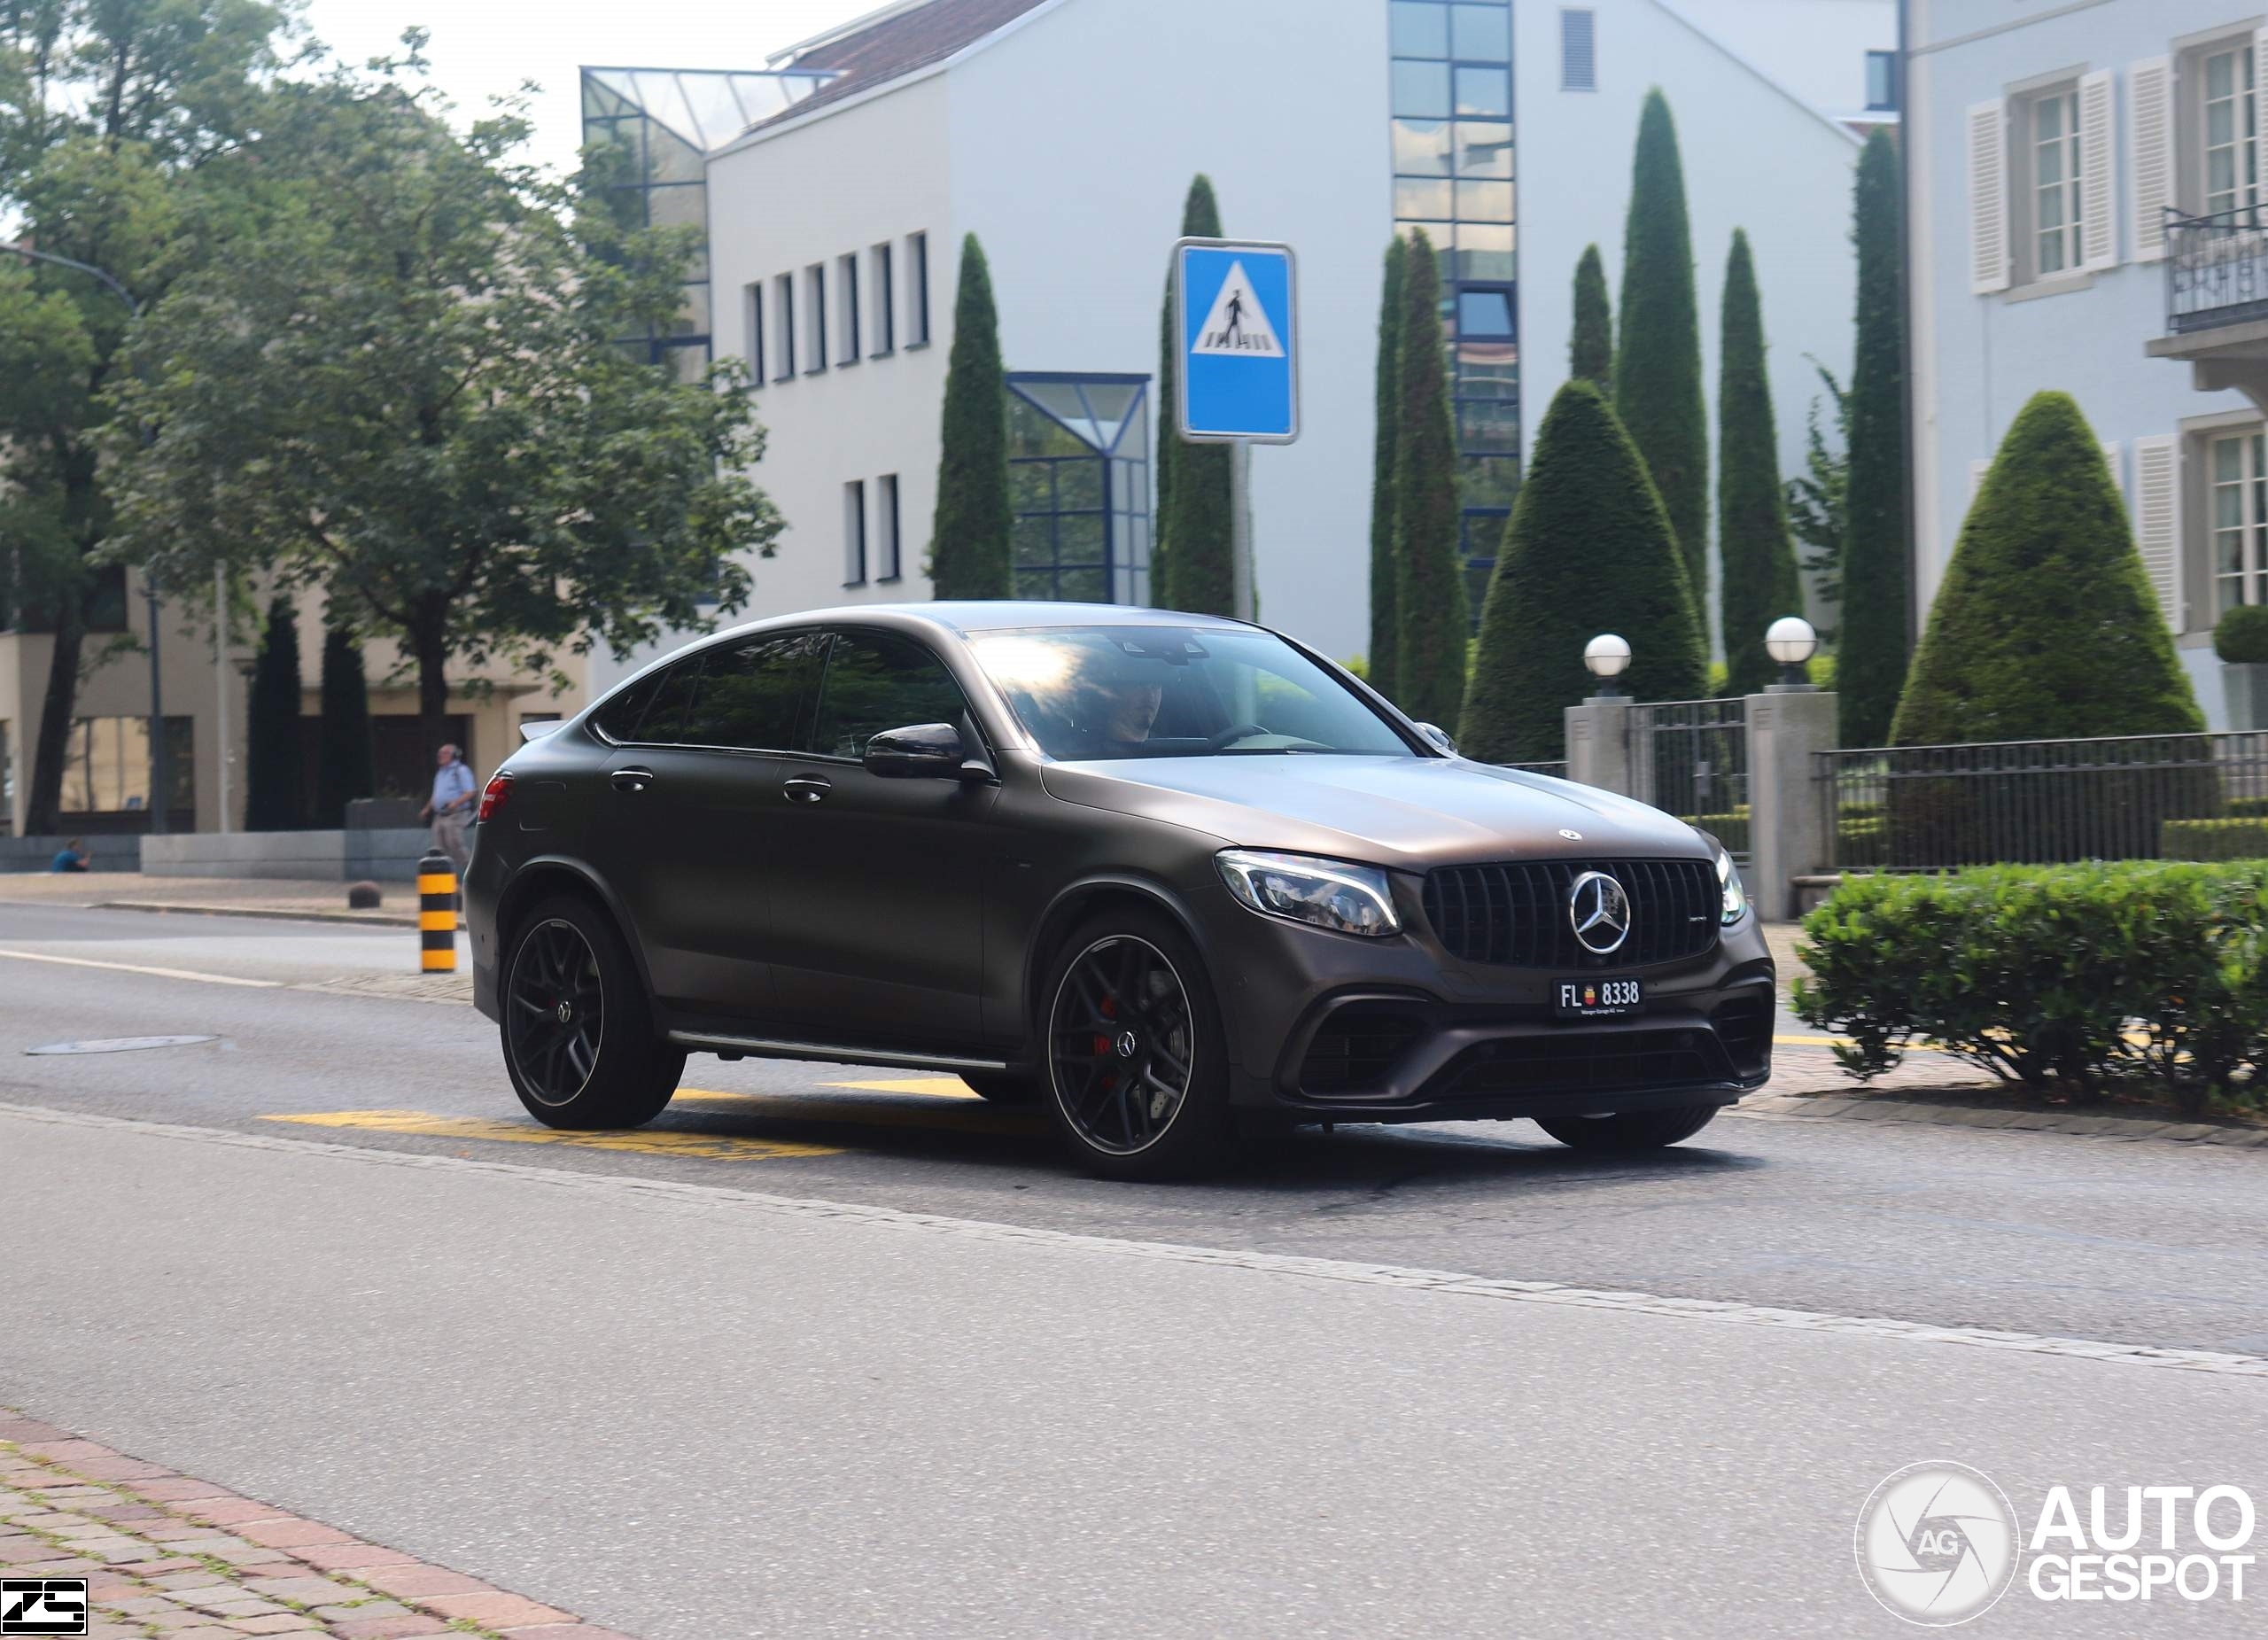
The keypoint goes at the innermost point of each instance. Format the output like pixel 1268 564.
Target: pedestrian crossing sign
pixel 1235 307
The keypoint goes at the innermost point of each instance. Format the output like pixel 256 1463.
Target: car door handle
pixel 806 788
pixel 633 779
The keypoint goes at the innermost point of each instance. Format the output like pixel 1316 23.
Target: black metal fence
pixel 2216 269
pixel 1929 808
pixel 1690 758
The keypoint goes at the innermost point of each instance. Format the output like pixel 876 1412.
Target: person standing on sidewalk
pixel 450 808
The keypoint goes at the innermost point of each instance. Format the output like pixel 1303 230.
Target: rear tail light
pixel 499 789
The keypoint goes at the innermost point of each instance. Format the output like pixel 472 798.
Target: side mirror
pixel 920 752
pixel 1439 736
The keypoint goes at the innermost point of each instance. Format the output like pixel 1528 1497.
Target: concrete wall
pixel 327 855
pixel 1816 48
pixel 34 854
pixel 1977 359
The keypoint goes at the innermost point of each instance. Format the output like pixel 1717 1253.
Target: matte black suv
pixel 1172 876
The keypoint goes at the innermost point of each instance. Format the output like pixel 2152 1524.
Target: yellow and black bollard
pixel 437 914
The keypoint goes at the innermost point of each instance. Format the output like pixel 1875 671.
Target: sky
pixel 484 48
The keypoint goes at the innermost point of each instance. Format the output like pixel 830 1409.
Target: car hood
pixel 1412 813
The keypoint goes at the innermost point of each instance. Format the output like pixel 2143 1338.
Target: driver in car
pixel 1115 710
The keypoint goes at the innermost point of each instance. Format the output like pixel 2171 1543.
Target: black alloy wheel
pixel 579 1037
pixel 556 1012
pixel 1137 1065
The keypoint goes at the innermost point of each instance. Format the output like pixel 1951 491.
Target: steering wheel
pixel 1231 736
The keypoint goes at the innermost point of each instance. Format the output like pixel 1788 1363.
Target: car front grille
pixel 1354 1050
pixel 1515 914
pixel 1585 1062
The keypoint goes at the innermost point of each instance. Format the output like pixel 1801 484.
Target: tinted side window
pixel 617 718
pixel 665 722
pixel 756 695
pixel 877 681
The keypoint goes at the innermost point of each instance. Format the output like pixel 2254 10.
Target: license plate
pixel 1600 999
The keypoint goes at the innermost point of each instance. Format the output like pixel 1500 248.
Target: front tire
pixel 1138 1072
pixel 1627 1130
pixel 580 1043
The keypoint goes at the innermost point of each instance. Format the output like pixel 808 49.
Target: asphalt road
pixel 692 1411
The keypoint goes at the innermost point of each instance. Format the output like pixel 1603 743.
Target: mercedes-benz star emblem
pixel 1126 1044
pixel 566 1011
pixel 1571 836
pixel 1600 913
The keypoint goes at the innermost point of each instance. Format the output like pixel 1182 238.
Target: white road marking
pixel 1268 1263
pixel 138 967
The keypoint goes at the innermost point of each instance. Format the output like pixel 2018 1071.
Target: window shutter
pixel 2098 174
pixel 1988 197
pixel 2149 135
pixel 2157 519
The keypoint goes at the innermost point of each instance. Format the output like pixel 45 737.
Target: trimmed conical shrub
pixel 1385 641
pixel 2045 627
pixel 1588 549
pixel 276 770
pixel 1752 539
pixel 1657 367
pixel 345 759
pixel 1432 613
pixel 969 542
pixel 1871 665
pixel 1590 345
pixel 1196 522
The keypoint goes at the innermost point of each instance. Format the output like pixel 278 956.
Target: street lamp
pixel 1791 642
pixel 158 770
pixel 1608 656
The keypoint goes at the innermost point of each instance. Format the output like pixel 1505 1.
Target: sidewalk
pixel 167 1555
pixel 228 896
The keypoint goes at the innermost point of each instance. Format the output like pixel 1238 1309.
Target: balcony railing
pixel 2216 269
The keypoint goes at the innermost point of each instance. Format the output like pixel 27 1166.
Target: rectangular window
pixel 1480 34
pixel 2238 473
pixel 1421 90
pixel 752 316
pixel 885 301
pixel 106 766
pixel 2232 164
pixel 1882 81
pixel 917 290
pixel 815 296
pixel 846 291
pixel 1578 49
pixel 1418 27
pixel 783 304
pixel 854 533
pixel 887 566
pixel 2054 156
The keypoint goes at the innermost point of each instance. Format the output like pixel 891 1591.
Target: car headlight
pixel 1736 897
pixel 1329 893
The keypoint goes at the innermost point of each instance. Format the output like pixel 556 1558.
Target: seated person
pixel 70 857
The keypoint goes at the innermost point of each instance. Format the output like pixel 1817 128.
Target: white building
pixel 2082 193
pixel 1064 134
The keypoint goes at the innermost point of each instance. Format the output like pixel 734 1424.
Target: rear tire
pixel 1001 1087
pixel 579 1038
pixel 1136 1061
pixel 1629 1129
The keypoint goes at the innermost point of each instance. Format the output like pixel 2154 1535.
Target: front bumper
pixel 1329 1028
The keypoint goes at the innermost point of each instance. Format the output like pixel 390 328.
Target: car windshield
pixel 1094 692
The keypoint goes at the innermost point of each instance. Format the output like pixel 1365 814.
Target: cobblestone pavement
pixel 165 1555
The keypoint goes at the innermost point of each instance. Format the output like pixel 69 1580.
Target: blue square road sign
pixel 1236 309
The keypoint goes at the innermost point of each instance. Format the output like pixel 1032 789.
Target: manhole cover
pixel 119 1045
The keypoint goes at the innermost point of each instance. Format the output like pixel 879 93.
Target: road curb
pixel 1865 1108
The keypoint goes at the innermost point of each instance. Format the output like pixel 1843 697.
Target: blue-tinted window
pixel 1484 91
pixel 1421 90
pixel 1079 486
pixel 1480 34
pixel 1419 28
pixel 1881 80
pixel 1484 314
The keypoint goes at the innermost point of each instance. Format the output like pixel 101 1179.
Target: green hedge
pixel 2056 977
pixel 2214 839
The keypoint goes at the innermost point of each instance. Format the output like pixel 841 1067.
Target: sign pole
pixel 1240 526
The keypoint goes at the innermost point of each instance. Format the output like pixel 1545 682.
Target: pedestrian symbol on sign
pixel 1237 322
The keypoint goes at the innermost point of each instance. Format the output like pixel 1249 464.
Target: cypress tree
pixel 1758 557
pixel 2045 627
pixel 1870 666
pixel 1588 549
pixel 275 774
pixel 345 758
pixel 1197 523
pixel 1590 346
pixel 969 542
pixel 1658 369
pixel 1433 614
pixel 1385 638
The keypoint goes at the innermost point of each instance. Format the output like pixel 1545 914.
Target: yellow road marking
pixel 936 1087
pixel 1845 1041
pixel 138 968
pixel 653 1141
pixel 943 1115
